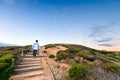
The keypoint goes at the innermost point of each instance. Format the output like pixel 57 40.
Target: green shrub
pixel 117 57
pixel 28 47
pixel 72 50
pixel 113 55
pixel 90 57
pixel 7 73
pixel 4 52
pixel 82 54
pixel 91 78
pixel 6 55
pixel 3 66
pixel 17 52
pixel 61 55
pixel 103 60
pixel 70 61
pixel 103 52
pixel 10 48
pixel 7 52
pixel 44 51
pixel 91 64
pixel 78 71
pixel 110 55
pixel 51 56
pixel 112 67
pixel 6 58
pixel 50 46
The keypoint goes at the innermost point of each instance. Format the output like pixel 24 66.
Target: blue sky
pixel 93 23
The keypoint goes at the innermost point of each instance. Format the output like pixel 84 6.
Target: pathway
pixel 29 69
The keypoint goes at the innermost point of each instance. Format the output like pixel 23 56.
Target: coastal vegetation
pixel 8 58
pixel 87 63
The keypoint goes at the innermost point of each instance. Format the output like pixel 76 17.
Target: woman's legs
pixel 34 53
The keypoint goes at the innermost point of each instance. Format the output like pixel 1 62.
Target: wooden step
pixel 31 62
pixel 32 58
pixel 28 74
pixel 28 65
pixel 28 61
pixel 35 78
pixel 27 69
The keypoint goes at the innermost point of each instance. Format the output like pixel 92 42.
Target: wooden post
pixel 13 61
pixel 22 53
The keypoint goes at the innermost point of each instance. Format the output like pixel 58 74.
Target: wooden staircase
pixel 29 69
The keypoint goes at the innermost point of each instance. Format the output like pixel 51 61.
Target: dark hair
pixel 36 40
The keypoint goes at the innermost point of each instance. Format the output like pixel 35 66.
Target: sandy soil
pixel 53 64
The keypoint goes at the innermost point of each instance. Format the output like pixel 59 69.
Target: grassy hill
pixel 75 62
pixel 87 63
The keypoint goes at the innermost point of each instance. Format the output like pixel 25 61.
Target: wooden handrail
pixel 53 76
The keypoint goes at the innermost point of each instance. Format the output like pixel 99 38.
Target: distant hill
pixel 6 44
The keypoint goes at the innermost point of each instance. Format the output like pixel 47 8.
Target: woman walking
pixel 35 48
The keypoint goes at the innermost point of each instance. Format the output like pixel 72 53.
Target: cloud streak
pixel 98 31
pixel 105 40
pixel 102 35
pixel 106 45
pixel 102 31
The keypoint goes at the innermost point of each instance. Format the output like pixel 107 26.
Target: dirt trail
pixel 58 72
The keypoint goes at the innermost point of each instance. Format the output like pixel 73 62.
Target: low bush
pixel 82 54
pixel 70 61
pixel 6 55
pixel 72 50
pixel 90 57
pixel 112 67
pixel 44 51
pixel 10 48
pixel 103 52
pixel 91 64
pixel 91 78
pixel 111 55
pixel 3 66
pixel 78 71
pixel 103 60
pixel 4 75
pixel 50 46
pixel 61 55
pixel 51 56
pixel 6 58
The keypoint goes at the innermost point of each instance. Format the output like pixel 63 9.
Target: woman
pixel 35 48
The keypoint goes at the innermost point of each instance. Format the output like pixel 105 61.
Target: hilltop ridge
pixel 66 62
